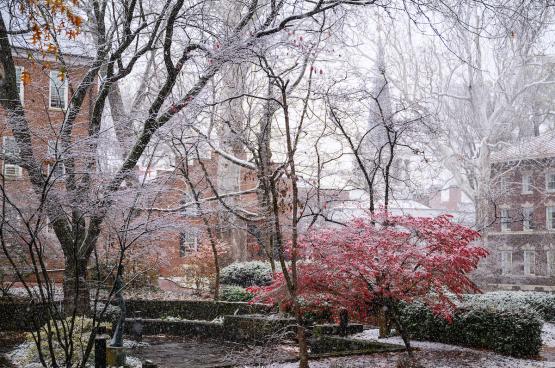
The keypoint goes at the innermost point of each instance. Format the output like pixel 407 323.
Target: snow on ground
pixel 548 335
pixel 436 355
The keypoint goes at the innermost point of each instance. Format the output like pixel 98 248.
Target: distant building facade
pixel 521 235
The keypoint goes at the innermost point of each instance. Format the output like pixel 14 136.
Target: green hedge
pixel 515 332
pixel 233 293
pixel 206 310
pixel 245 274
pixel 542 303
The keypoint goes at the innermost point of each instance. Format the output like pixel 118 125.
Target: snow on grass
pixel 436 355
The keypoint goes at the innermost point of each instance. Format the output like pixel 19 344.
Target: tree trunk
pixel 76 290
pixel 301 337
pixel 383 323
pixel 393 314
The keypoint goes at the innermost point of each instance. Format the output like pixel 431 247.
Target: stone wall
pixel 175 328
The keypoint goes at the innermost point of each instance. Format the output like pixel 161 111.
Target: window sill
pixel 60 109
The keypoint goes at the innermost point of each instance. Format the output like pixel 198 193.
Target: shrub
pixel 233 293
pixel 82 329
pixel 245 274
pixel 515 332
pixel 542 303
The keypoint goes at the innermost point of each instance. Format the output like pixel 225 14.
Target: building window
pixel 52 148
pixel 505 220
pixel 550 269
pixel 550 182
pixel 10 151
pixel 188 242
pixel 444 195
pixel 527 218
pixel 550 218
pixel 19 82
pixel 526 184
pixel 192 208
pixel 59 169
pixel 57 165
pixel 529 262
pixel 10 148
pixel 506 262
pixel 58 90
pixel 504 185
pixel 11 171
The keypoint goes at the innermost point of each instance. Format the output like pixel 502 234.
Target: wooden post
pixel 100 350
pixel 343 321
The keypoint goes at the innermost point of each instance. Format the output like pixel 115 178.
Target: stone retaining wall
pixel 175 328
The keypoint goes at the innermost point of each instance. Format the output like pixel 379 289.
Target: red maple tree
pixel 376 262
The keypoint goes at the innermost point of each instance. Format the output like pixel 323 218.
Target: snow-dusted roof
pixel 533 148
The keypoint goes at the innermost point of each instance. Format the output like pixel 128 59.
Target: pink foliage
pixel 384 257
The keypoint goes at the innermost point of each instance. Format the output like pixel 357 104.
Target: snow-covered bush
pixel 515 332
pixel 245 274
pixel 542 303
pixel 27 353
pixel 233 293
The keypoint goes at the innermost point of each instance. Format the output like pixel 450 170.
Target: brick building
pixel 521 237
pixel 181 229
pixel 44 96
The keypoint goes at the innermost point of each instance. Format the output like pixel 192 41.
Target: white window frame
pixel 54 77
pixel 185 250
pixel 506 262
pixel 504 184
pixel 550 259
pixel 505 220
pixel 16 168
pixel 529 261
pixel 548 223
pixel 19 82
pixel 527 220
pixel 547 175
pixel 52 147
pixel 5 140
pixel 527 184
pixel 190 210
pixel 59 165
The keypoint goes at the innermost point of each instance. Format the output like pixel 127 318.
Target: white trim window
pixel 11 171
pixel 19 70
pixel 506 262
pixel 527 218
pixel 550 269
pixel 58 90
pixel 529 262
pixel 188 242
pixel 52 148
pixel 550 218
pixel 505 220
pixel 504 184
pixel 526 184
pixel 192 208
pixel 10 148
pixel 550 182
pixel 57 165
pixel 59 169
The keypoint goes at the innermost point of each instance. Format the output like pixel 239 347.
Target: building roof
pixel 533 148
